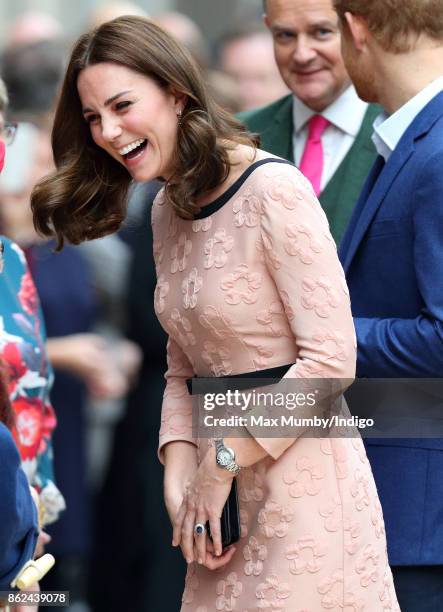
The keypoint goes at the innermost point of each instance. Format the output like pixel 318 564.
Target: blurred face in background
pixel 307 49
pixel 29 160
pixel 250 62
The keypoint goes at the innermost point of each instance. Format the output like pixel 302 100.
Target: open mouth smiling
pixel 131 150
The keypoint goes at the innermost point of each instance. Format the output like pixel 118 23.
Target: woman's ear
pixel 179 100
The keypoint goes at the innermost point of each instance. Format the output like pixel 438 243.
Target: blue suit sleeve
pixel 18 515
pixel 413 347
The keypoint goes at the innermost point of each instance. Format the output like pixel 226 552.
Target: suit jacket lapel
pixel 342 191
pixel 369 183
pixel 278 134
pixel 376 196
pixel 370 200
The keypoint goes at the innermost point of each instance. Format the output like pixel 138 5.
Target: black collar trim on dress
pixel 212 207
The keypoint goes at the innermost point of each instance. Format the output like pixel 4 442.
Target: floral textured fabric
pixel 28 375
pixel 254 285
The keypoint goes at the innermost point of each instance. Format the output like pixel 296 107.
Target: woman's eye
pixel 91 119
pixel 122 105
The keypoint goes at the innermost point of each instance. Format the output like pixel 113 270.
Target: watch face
pixel 224 456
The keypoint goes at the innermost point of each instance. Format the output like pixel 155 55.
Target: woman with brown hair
pixel 248 281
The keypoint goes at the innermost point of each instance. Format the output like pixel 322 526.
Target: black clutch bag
pixel 230 518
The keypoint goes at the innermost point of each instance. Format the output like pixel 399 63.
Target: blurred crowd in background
pixel 104 341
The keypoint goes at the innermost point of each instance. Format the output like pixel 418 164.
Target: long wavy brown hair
pixel 85 197
pixel 6 414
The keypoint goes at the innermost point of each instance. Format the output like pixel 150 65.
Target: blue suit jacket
pixel 18 515
pixel 392 254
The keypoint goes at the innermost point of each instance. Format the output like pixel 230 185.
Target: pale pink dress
pixel 253 285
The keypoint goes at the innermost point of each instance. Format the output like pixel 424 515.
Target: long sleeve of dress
pixel 176 418
pixel 176 415
pixel 18 515
pixel 301 258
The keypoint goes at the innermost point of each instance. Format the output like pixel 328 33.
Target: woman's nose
pixel 111 128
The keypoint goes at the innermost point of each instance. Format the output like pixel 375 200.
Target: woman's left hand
pixel 204 500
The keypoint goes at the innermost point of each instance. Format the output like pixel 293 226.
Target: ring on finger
pixel 199 529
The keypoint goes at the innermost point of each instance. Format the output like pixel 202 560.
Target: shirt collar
pixel 388 130
pixel 345 113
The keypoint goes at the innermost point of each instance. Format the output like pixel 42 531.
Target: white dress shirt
pixel 388 130
pixel 345 115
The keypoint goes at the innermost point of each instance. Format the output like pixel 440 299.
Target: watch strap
pixel 232 467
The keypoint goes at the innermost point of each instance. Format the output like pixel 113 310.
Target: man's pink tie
pixel 311 164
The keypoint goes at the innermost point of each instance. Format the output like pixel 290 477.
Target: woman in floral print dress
pixel 248 279
pixel 18 513
pixel 25 366
pixel 255 283
pixel 28 375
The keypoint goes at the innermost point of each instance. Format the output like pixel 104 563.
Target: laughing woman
pixel 248 279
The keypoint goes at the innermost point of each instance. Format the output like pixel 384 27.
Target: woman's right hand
pixel 213 562
pixel 180 468
pixel 181 465
pixel 173 500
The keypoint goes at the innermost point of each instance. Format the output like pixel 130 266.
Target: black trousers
pixel 419 588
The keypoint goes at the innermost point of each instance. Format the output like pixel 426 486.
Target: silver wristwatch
pixel 225 457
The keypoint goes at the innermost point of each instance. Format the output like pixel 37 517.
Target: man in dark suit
pixel 307 51
pixel 392 253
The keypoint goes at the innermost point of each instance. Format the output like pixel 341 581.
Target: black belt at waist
pixel 233 382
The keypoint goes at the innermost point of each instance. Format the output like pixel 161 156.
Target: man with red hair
pixel 392 254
